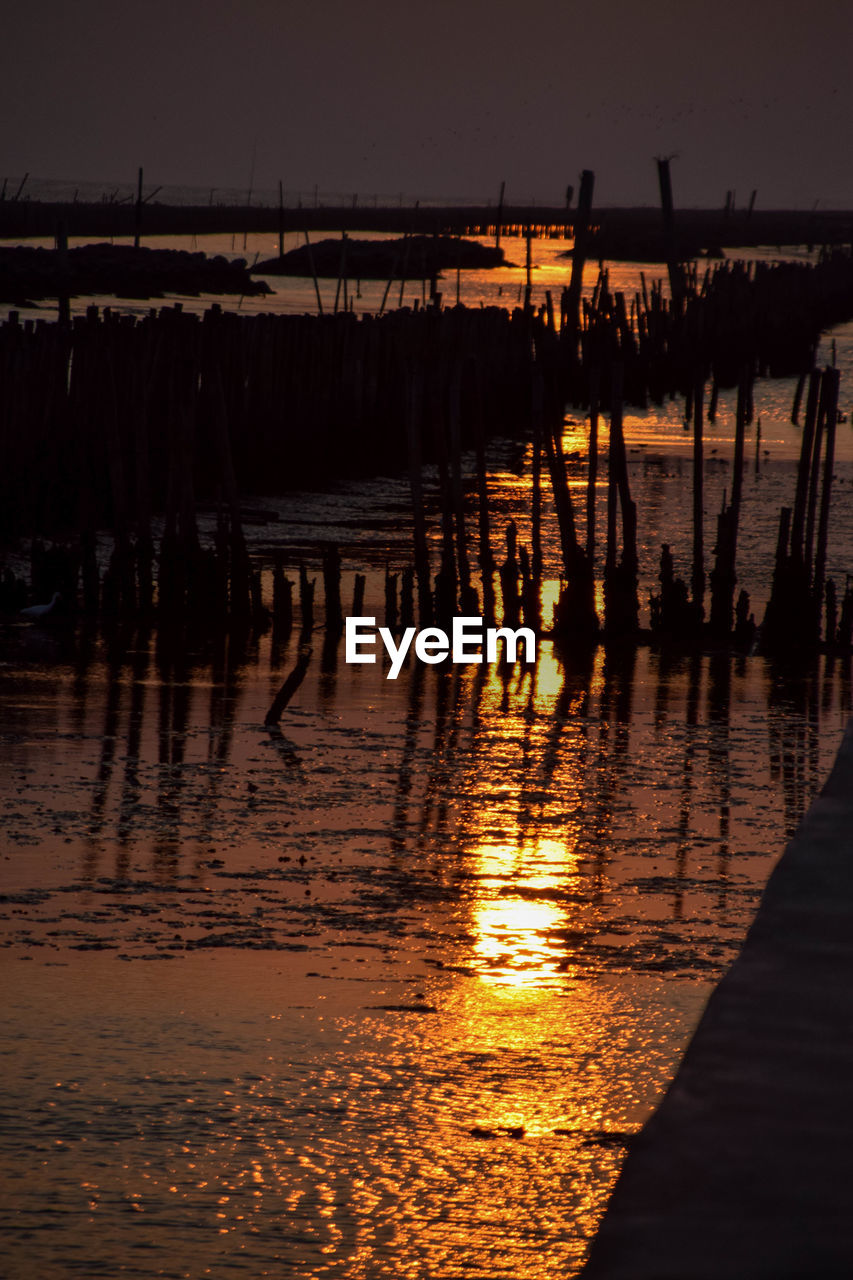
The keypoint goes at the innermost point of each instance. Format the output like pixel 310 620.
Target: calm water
pixel 384 993
pixel 387 992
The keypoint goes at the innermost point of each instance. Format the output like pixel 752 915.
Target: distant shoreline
pixel 626 233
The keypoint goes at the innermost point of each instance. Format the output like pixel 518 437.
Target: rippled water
pixel 383 993
pixel 386 992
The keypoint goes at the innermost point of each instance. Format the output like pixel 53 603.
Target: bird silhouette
pixel 38 611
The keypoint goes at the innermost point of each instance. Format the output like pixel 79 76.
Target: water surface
pixel 385 992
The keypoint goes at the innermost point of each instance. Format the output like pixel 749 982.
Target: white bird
pixel 38 611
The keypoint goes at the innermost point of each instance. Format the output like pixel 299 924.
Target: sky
pixel 442 100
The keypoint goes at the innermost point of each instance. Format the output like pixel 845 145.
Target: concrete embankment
pixel 744 1170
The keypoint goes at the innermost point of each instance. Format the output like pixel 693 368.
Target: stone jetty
pixel 742 1172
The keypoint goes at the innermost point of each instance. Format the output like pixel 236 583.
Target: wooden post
pixel 484 549
pixel 342 273
pixel 358 594
pixel 390 599
pixel 500 216
pixel 407 597
pixel 592 464
pixel 306 600
pixel 391 275
pixel 744 393
pixel 414 420
pixel 63 301
pixel 804 467
pixel 698 575
pixel 536 481
pixel 665 183
pixel 620 580
pixel 332 589
pixel 830 410
pixel 137 224
pixel 282 601
pixel 288 689
pixel 814 476
pixel 467 594
pixel 313 272
pixel 407 244
pixel 579 252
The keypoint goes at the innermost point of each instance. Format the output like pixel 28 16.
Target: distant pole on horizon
pixel 249 192
pixel 280 219
pixel 581 234
pixel 500 216
pixel 673 267
pixel 137 223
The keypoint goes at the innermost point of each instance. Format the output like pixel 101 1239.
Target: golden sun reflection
pixel 518 925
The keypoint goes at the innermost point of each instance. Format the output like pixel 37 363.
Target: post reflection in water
pixel 384 992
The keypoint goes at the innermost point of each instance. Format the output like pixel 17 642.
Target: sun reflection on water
pixel 516 920
pixel 431 958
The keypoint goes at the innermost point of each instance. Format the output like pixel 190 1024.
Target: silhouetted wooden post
pixel 467 594
pixel 306 600
pixel 137 223
pixel 830 410
pixel 698 576
pixel 775 630
pixel 814 476
pixel 485 557
pixel 612 501
pixel 500 216
pixel 414 419
pixel 217 417
pixel 509 579
pixel 407 244
pixel 394 265
pixel 744 393
pixel 724 573
pixel 390 599
pixel 342 273
pixel 313 272
pixel 592 464
pixel 288 689
pixel 63 301
pixel 359 584
pixel 665 183
pixel 407 597
pixel 804 467
pixel 582 219
pixel 280 219
pixel 798 397
pixel 282 601
pixel 536 479
pixel 332 589
pixel 620 580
